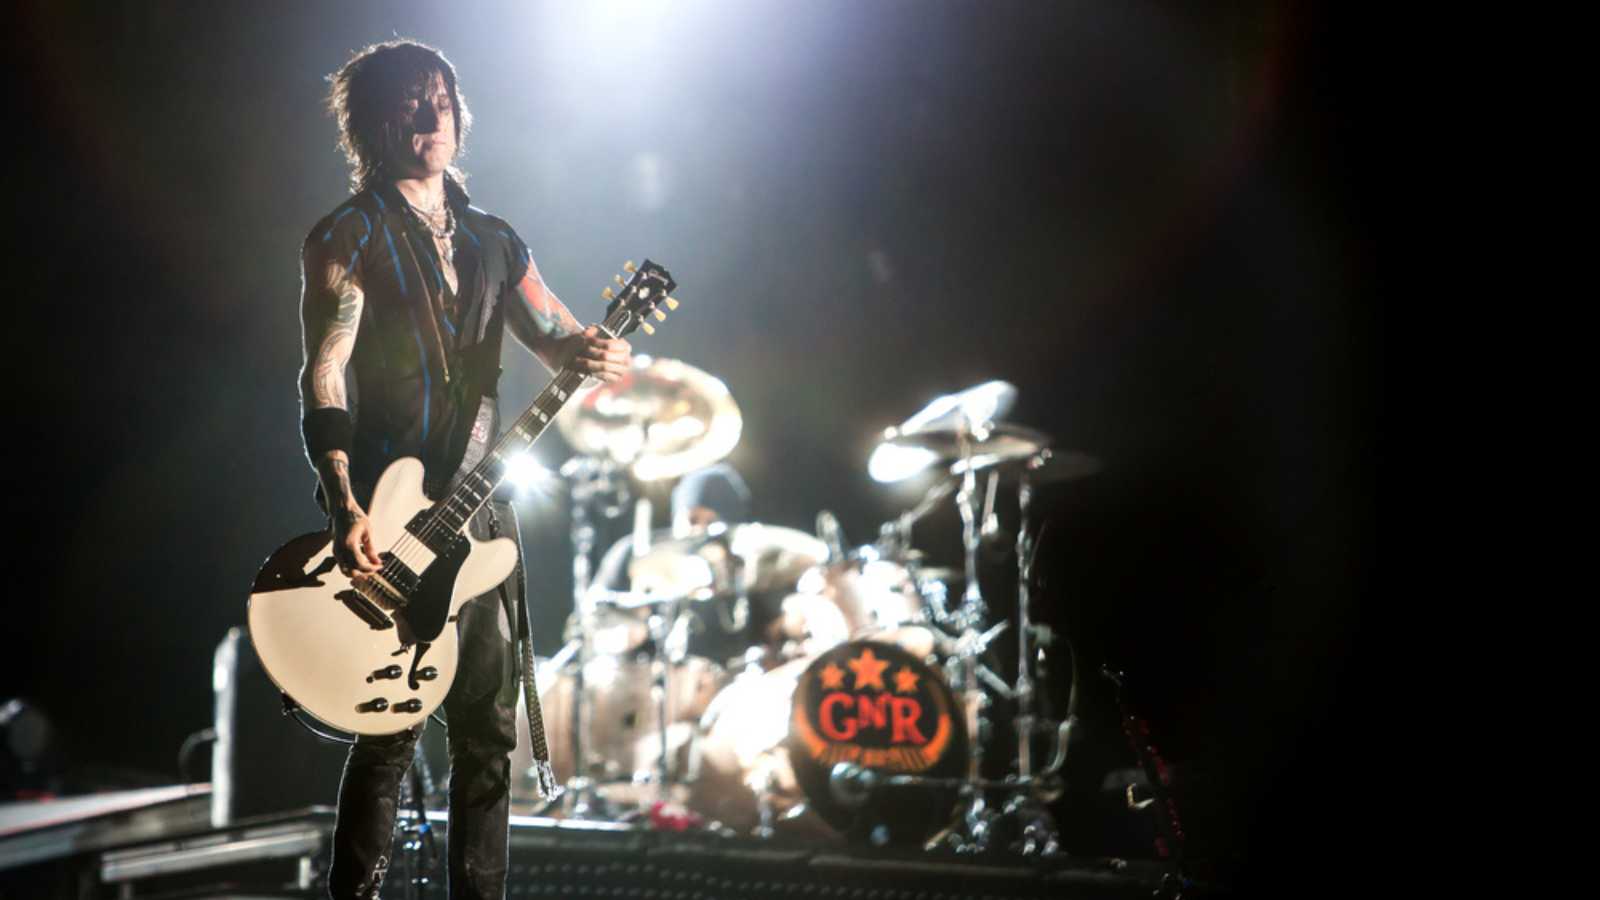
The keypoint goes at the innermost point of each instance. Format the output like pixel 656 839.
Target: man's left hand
pixel 598 356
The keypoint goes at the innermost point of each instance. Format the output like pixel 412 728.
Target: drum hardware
pixel 1038 827
pixel 592 482
pixel 831 534
pixel 963 431
pixel 854 786
pixel 763 759
pixel 894 537
pixel 962 426
pixel 669 637
pixel 1028 810
pixel 663 419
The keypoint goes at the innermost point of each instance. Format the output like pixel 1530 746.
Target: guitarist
pixel 407 291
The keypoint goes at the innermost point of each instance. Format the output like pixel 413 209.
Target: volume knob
pixel 427 673
pixel 410 706
pixel 376 704
pixel 383 673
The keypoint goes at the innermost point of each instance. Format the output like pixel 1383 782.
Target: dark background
pixel 1150 218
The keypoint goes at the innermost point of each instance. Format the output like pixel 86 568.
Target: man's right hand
pixel 353 549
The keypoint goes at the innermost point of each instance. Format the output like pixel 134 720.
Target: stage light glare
pixel 526 475
pixel 890 462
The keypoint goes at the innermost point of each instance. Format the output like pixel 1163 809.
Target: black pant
pixel 481 710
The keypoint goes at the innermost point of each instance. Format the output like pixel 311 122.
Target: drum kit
pixel 758 679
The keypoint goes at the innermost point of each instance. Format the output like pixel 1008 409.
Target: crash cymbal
pixel 661 420
pixel 967 410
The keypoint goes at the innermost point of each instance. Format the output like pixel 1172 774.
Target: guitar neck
pixel 456 509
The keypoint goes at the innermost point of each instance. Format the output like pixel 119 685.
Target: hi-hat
pixel 661 420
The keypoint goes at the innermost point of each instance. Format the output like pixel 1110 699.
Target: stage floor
pixel 160 843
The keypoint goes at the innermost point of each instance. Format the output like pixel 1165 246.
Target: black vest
pixel 423 358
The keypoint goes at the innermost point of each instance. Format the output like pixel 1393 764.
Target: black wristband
pixel 329 428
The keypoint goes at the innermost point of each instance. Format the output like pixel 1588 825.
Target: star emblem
pixel 905 681
pixel 868 670
pixel 832 676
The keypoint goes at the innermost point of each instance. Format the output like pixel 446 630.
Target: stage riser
pixel 287 856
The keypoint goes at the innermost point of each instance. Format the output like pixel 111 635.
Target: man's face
pixel 425 130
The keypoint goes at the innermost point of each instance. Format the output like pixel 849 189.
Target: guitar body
pixel 337 652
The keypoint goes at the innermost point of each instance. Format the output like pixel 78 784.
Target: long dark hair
pixel 366 91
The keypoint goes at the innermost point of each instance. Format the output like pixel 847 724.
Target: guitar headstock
pixel 641 297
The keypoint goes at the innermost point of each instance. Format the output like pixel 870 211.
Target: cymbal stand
pixel 973 827
pixel 1037 827
pixel 973 610
pixel 670 650
pixel 591 482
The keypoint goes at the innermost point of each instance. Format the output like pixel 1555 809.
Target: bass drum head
pixel 879 707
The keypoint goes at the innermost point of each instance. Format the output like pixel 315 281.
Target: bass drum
pixel 621 739
pixel 772 739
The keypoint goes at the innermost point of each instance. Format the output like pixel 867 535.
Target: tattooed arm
pixel 542 323
pixel 330 312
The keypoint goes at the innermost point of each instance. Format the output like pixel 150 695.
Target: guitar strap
pixel 544 776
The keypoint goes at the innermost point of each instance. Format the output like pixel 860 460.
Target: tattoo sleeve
pixel 335 475
pixel 330 314
pixel 539 319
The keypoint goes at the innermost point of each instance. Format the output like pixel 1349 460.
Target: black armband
pixel 329 428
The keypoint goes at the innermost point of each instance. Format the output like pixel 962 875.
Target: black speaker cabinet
pixel 263 761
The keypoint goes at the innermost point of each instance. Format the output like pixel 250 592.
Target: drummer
pixel 704 503
pixel 705 496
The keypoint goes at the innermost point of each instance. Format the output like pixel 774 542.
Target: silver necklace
pixel 444 234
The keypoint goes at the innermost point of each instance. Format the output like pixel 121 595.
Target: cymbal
pixel 771 557
pixel 946 429
pixel 966 410
pixel 992 446
pixel 661 420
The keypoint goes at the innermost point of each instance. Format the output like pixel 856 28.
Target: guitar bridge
pixel 376 589
pixel 365 610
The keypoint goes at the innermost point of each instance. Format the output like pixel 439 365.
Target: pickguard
pixel 429 608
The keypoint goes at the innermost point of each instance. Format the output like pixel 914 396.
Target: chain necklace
pixel 443 234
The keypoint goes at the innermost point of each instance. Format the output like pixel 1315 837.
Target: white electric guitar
pixel 378 654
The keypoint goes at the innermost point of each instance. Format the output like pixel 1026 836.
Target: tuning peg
pixel 660 316
pixel 617 279
pixel 648 328
pixel 671 303
pixel 629 267
pixel 607 294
